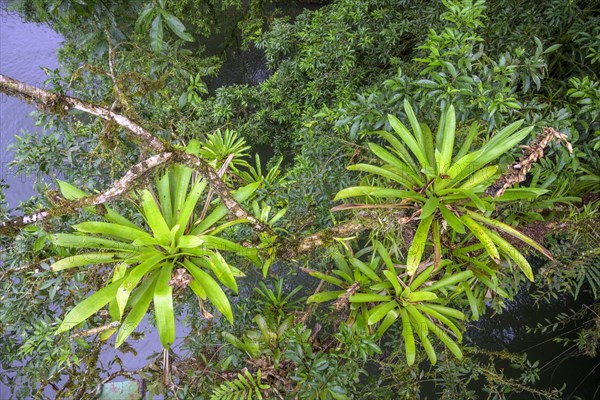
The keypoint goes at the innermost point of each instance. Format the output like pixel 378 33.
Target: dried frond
pixel 517 172
pixel 180 279
pixel 343 301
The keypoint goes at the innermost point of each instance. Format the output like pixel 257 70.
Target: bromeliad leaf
pixel 163 306
pixel 212 289
pixel 154 217
pixel 375 191
pixel 139 308
pixel 111 229
pixel 415 252
pixel 90 242
pixel 481 234
pixel 409 339
pixel 380 311
pixel 189 242
pixel 89 306
pixel 80 260
pixel 134 277
pixel 150 257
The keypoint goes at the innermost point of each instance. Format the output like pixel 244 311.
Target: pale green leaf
pixel 111 229
pixel 163 307
pixel 136 274
pixel 450 280
pixel 325 296
pixel 481 235
pixel 80 260
pixel 409 339
pixel 415 297
pixel 452 220
pixel 415 252
pixel 88 307
pixel 409 139
pixel 90 242
pixel 369 298
pixel 381 310
pixel 212 290
pixel 138 310
pixel 511 231
pixel 155 218
pixel 189 242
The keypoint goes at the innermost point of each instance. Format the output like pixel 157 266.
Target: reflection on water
pixel 558 364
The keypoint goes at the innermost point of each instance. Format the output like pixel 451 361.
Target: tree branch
pixel 60 104
pixel 63 207
pixel 325 237
pixel 218 186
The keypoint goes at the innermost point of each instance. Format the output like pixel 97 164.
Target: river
pixel 24 49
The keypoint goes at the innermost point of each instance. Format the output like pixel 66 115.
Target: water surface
pixel 24 49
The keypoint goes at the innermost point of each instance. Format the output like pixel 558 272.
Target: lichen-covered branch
pixel 57 103
pixel 326 237
pixel 61 104
pixel 218 186
pixel 63 207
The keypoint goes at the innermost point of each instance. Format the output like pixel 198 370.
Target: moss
pixel 56 104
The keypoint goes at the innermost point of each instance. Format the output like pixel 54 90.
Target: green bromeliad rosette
pixel 457 248
pixel 176 239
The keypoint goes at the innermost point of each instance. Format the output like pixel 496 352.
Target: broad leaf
pixel 155 218
pixel 377 313
pixel 80 260
pixel 415 252
pixel 410 141
pixel 177 27
pixel 138 310
pixel 111 229
pixel 481 235
pixel 212 290
pixel 409 339
pixel 156 34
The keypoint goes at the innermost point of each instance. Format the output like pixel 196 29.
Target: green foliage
pixel 153 17
pixel 379 296
pixel 244 386
pixel 445 188
pixel 145 260
pixel 577 268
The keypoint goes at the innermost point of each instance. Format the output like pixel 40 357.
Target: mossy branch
pixel 63 207
pixel 62 104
